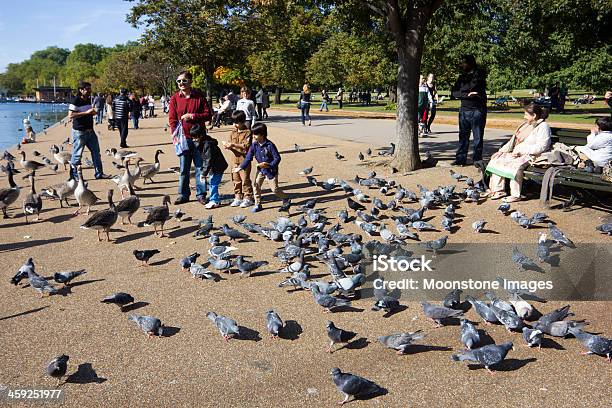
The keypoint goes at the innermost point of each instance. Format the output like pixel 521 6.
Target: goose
pixel 32 203
pixel 128 206
pixel 62 191
pixel 126 179
pixel 103 220
pixel 30 164
pixel 138 170
pixel 159 215
pixel 61 157
pixel 83 195
pixel 150 170
pixel 120 154
pixel 10 194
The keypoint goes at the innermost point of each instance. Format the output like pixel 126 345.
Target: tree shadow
pixel 291 330
pixel 17 246
pixel 169 331
pixel 161 262
pixel 248 334
pixel 60 218
pixel 85 374
pixel 85 282
pixel 183 231
pixel 263 273
pixel 27 312
pixel 134 306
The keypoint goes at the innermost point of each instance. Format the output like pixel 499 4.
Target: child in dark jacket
pixel 213 164
pixel 268 159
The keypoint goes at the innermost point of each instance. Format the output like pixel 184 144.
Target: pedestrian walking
pixel 339 97
pixel 304 104
pixel 98 103
pixel 121 112
pixel 324 101
pixel 136 110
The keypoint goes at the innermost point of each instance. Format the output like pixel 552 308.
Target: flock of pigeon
pixel 309 235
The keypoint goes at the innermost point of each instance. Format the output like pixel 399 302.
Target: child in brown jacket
pixel 240 141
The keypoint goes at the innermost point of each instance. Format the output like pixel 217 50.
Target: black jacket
pixel 121 107
pixel 475 81
pixel 212 157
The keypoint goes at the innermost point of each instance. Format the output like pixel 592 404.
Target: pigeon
pixel 339 156
pixel 605 228
pixel 178 214
pixel 504 208
pixel 152 326
pixel 326 301
pixel 559 237
pixel 353 385
pixel 120 299
pixel 221 251
pixel 522 307
pixel 447 224
pixel 533 337
pixel 144 255
pixel 437 313
pixel 523 261
pixel 188 260
pixel 555 316
pixel 337 335
pixel 296 266
pixel 297 148
pixel 274 324
pixel 499 303
pixel 348 285
pixel 57 367
pixel 421 225
pixel 469 334
pixel 247 267
pixel 400 341
pixel 543 251
pixel 488 355
pixel 40 284
pixel 478 225
pixel 369 228
pixel 233 234
pixel 483 310
pixel 561 328
pixel 312 181
pixel 223 265
pixel 226 326
pixel 285 206
pixel 67 277
pixel 594 344
pixel 361 156
pixel 369 152
pixel 508 319
pixel 435 245
pixel 22 273
pixel 456 175
pixel 453 299
pixel 306 171
pixel 239 218
pixel 343 216
pixel 353 205
pixel 198 271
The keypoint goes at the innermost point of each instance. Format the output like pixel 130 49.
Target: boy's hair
pixel 83 85
pixel 245 90
pixel 260 129
pixel 604 124
pixel 238 116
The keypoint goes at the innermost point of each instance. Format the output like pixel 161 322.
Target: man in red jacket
pixel 189 107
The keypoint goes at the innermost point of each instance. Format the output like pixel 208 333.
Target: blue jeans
pixel 191 155
pixel 214 181
pixel 324 106
pixel 80 140
pixel 135 121
pixel 471 120
pixel 99 115
pixel 305 107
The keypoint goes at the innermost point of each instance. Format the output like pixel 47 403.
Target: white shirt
pixel 248 107
pixel 598 148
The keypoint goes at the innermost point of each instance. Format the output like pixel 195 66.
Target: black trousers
pixel 122 124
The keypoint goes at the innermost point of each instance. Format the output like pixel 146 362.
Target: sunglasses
pixel 182 81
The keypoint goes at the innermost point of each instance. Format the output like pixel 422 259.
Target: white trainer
pixel 246 203
pixel 236 202
pixel 210 205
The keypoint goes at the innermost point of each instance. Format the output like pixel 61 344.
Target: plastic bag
pixel 179 140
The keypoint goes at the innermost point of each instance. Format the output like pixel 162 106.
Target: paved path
pixel 380 132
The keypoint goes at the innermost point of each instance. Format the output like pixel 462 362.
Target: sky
pixel 30 25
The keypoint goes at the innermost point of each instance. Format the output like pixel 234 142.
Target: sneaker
pixel 246 203
pixel 103 176
pixel 180 200
pixel 202 200
pixel 256 208
pixel 458 163
pixel 211 205
pixel 237 202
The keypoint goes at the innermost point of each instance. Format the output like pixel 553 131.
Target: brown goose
pixel 62 191
pixel 150 170
pixel 29 164
pixel 32 203
pixel 159 215
pixel 103 220
pixel 83 195
pixel 8 195
pixel 128 206
pixel 126 179
pixel 61 157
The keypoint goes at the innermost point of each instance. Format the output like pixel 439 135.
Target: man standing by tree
pixel 81 113
pixel 189 107
pixel 470 88
pixel 121 110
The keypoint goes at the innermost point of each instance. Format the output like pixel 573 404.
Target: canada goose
pixel 30 165
pixel 103 220
pixel 8 195
pixel 83 195
pixel 32 203
pixel 120 154
pixel 63 190
pixel 150 170
pixel 128 206
pixel 61 157
pixel 159 215
pixel 138 170
pixel 126 179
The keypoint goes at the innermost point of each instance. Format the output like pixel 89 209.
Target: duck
pixel 63 190
pixel 120 154
pixel 159 215
pixel 60 156
pixel 128 206
pixel 103 220
pixel 30 165
pixel 8 195
pixel 150 170
pixel 83 195
pixel 32 203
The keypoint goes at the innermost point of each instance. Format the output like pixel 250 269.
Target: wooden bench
pixel 571 177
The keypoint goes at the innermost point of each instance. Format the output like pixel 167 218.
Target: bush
pixel 391 107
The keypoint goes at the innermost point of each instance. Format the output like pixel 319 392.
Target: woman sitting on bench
pixel 531 139
pixel 599 144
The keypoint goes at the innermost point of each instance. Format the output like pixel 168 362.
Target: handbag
pixel 299 105
pixel 179 140
pixel 606 173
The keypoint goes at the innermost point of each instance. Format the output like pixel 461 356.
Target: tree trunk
pixel 277 96
pixel 209 77
pixel 407 139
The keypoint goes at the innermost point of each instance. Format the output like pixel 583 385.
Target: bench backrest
pixel 572 137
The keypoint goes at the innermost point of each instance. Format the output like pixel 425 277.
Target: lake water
pixel 41 115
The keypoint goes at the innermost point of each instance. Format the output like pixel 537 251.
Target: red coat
pixel 196 104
